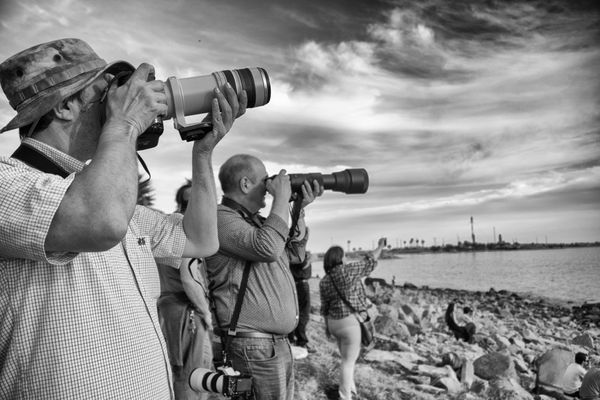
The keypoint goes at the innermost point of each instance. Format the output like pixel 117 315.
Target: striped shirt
pixel 78 325
pixel 348 280
pixel 270 304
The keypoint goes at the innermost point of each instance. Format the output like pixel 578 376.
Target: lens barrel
pixel 192 96
pixel 349 181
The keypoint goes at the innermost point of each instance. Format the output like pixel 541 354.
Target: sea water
pixel 565 274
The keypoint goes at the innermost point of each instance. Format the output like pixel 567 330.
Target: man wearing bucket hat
pixel 78 275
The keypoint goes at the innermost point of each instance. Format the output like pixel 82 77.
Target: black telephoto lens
pixel 349 181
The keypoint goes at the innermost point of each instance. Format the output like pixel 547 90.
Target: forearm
pixel 97 207
pixel 200 219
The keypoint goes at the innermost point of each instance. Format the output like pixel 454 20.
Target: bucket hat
pixel 37 79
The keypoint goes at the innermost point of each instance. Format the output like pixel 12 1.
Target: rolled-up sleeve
pixel 28 202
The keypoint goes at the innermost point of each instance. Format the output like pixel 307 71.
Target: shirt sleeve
pixel 361 268
pixel 243 240
pixel 166 234
pixel 29 200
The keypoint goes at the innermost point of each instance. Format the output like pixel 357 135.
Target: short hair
pixel 580 358
pixel 467 310
pixel 45 120
pixel 332 258
pixel 234 169
pixel 179 195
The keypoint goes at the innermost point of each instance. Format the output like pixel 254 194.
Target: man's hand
pixel 136 103
pixel 279 187
pixel 226 107
pixel 309 194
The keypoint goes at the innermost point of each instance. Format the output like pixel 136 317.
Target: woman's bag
pixel 367 329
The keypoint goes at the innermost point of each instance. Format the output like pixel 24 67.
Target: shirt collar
pixel 65 161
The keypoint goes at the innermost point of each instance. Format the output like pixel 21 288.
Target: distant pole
pixel 472 232
pixel 348 246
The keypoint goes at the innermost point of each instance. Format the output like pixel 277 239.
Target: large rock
pixel 585 340
pixel 389 327
pixel 494 365
pixel 551 366
pixel 507 389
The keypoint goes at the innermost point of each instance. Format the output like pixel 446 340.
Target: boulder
pixel 507 389
pixel 552 365
pixel 586 340
pixel 494 365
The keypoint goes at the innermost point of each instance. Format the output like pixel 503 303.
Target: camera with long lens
pixel 225 381
pixel 349 181
pixel 192 96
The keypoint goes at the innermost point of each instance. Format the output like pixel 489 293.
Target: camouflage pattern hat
pixel 37 79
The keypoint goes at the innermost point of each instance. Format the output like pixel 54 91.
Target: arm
pixel 95 211
pixel 200 218
pixel 191 278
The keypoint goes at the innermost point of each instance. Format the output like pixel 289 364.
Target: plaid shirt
pixel 78 325
pixel 348 280
pixel 270 303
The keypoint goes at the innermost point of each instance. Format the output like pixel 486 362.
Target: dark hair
pixel 467 310
pixel 332 258
pixel 233 169
pixel 181 202
pixel 580 358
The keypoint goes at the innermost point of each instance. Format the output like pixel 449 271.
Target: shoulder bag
pixel 367 330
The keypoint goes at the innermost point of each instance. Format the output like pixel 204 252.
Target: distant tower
pixel 500 239
pixel 472 232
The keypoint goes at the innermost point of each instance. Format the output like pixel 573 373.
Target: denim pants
pixel 269 362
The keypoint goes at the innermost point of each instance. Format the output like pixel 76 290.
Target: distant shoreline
pixel 468 247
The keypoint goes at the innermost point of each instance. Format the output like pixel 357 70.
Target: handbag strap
pixel 356 313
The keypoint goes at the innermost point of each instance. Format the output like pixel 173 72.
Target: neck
pixel 243 201
pixel 61 140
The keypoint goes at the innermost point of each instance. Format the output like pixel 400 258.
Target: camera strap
pixel 36 159
pixel 231 330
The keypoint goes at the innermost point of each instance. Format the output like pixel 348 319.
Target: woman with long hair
pixel 342 284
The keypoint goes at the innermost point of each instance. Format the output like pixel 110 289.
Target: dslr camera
pixel 191 96
pixel 225 381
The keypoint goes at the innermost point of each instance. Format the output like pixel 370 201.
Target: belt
pixel 253 335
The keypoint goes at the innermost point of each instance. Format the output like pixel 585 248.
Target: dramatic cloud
pixel 483 109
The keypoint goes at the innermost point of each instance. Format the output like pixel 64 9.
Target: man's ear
pixel 245 184
pixel 66 109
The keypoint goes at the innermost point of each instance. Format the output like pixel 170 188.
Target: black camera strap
pixel 232 329
pixel 36 159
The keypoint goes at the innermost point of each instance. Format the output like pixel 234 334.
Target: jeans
pixel 270 364
pixel 298 335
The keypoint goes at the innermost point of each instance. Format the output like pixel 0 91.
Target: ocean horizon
pixel 566 274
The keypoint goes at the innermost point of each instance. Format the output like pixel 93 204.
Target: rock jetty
pixel 519 339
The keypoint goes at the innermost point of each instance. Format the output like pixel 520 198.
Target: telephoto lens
pixel 191 96
pixel 349 181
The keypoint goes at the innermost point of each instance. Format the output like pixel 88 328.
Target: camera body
pixel 225 381
pixel 237 387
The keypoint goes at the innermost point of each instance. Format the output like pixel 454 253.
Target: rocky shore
pixel 416 357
